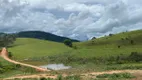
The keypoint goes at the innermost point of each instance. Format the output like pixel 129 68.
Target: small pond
pixel 56 66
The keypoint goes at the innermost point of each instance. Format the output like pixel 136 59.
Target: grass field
pixel 25 48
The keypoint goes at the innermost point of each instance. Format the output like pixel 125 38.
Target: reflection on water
pixel 56 66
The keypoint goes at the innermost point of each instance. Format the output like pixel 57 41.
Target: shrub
pixel 68 42
pixel 74 77
pixel 17 66
pixel 1 70
pixel 42 78
pixel 60 77
pixel 135 56
pixel 116 76
pixel 132 42
pixel 119 46
pixel 10 54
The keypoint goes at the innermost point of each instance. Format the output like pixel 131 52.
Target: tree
pixel 7 39
pixel 68 42
pixel 110 34
pixel 93 38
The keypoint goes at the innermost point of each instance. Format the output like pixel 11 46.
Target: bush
pixel 17 66
pixel 10 54
pixel 68 42
pixel 1 70
pixel 42 78
pixel 60 77
pixel 135 56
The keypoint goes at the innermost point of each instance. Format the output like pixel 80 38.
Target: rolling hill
pixel 84 55
pixel 122 43
pixel 24 48
pixel 42 35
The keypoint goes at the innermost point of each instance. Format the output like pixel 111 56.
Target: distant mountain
pixel 43 35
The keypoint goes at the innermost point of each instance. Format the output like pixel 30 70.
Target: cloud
pixel 78 19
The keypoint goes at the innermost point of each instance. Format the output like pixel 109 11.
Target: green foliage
pixel 132 66
pixel 7 39
pixel 68 42
pixel 59 77
pixel 17 65
pixel 43 36
pixel 120 59
pixel 135 56
pixel 74 77
pixel 116 76
pixel 6 66
pixel 10 54
pixel 42 78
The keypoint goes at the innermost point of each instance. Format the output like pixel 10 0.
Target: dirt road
pixel 4 54
pixel 93 74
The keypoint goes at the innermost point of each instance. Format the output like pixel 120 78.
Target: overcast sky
pixel 78 19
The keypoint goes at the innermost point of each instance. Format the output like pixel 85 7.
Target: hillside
pixel 43 36
pixel 122 43
pixel 24 48
pixel 102 47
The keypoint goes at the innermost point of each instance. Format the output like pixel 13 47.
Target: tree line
pixel 7 39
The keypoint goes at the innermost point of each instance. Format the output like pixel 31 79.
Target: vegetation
pixel 6 66
pixel 122 43
pixel 116 76
pixel 60 77
pixel 105 47
pixel 9 69
pixel 68 42
pixel 43 36
pixel 7 39
pixel 120 59
pixel 112 52
pixel 26 48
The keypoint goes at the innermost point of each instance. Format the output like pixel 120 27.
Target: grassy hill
pixel 122 43
pixel 104 47
pixel 24 48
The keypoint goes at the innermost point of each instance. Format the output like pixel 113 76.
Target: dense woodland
pixel 43 35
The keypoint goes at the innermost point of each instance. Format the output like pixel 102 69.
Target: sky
pixel 77 19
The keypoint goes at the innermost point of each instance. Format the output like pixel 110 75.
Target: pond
pixel 56 66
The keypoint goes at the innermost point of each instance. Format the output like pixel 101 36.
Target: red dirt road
pixel 4 54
